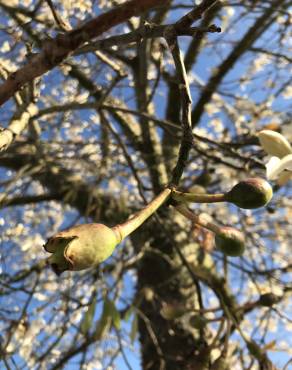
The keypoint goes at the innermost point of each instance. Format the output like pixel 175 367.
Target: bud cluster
pixel 88 245
pixel 248 194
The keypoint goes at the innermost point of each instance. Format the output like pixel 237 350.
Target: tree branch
pixel 57 49
pixel 186 103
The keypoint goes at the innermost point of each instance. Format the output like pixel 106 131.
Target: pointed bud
pixel 274 143
pixel 81 247
pixel 251 193
pixel 230 241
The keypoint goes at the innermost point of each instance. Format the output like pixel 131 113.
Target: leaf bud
pixel 250 193
pixel 81 247
pixel 230 241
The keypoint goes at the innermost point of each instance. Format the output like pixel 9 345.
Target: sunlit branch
pixel 57 49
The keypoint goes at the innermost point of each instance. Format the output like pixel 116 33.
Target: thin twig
pixel 186 102
pixel 195 14
pixel 57 49
pixel 147 33
pixel 126 154
pixel 60 22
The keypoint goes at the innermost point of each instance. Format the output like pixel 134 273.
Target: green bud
pixel 198 322
pixel 230 241
pixel 268 299
pixel 81 247
pixel 251 193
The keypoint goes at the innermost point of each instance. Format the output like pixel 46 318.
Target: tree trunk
pixel 161 271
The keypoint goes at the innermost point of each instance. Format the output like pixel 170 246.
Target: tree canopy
pixel 177 110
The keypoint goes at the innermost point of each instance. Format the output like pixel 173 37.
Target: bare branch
pixel 59 48
pixel 186 102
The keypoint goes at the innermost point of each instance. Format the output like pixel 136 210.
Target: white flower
pixel 280 149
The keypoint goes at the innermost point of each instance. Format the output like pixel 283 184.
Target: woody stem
pixel 138 218
pixel 199 220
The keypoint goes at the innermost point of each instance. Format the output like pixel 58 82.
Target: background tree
pixel 98 137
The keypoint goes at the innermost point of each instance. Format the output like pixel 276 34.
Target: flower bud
pixel 268 299
pixel 274 143
pixel 81 247
pixel 230 241
pixel 251 193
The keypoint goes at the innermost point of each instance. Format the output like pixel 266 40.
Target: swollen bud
pixel 85 246
pixel 230 241
pixel 268 299
pixel 274 143
pixel 81 247
pixel 251 193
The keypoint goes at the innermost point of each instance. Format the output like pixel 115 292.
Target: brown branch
pixel 144 33
pixel 195 14
pixel 126 154
pixel 186 103
pixel 166 125
pixel 60 22
pixel 150 142
pixel 60 182
pixel 174 105
pixel 260 25
pixel 29 199
pixel 57 49
pixel 195 45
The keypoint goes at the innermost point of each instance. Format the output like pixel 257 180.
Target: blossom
pixel 280 149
